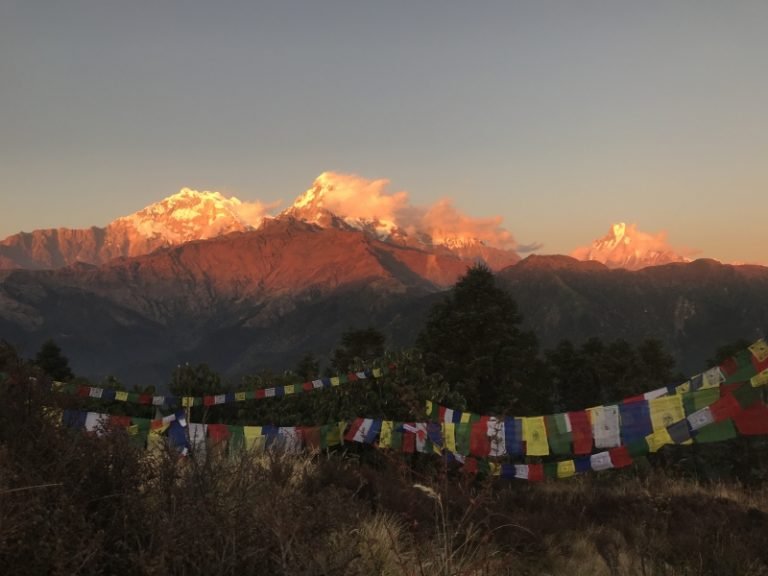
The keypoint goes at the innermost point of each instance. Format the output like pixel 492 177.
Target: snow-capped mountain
pixel 334 201
pixel 183 217
pixel 186 216
pixel 626 247
pixel 326 205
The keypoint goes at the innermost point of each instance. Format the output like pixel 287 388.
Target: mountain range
pixel 197 278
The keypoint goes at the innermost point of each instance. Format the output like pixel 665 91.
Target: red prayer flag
pixel 218 432
pixel 311 436
pixel 409 442
pixel 581 432
pixel 479 443
pixel 84 391
pixel 120 421
pixel 759 365
pixel 753 421
pixel 620 457
pixel 209 400
pixel 726 407
pixel 536 472
pixel 353 428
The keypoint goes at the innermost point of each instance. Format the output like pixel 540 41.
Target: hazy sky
pixel 561 117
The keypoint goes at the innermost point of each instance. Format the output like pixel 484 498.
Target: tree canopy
pixel 474 339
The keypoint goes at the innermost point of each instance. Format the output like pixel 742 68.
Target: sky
pixel 558 117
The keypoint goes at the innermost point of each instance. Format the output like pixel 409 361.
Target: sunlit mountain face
pixel 343 200
pixel 339 201
pixel 627 247
pixel 183 217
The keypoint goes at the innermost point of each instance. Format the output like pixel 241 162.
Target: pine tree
pixel 51 360
pixel 474 339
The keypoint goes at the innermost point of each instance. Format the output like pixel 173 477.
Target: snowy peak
pixel 336 200
pixel 627 247
pixel 347 201
pixel 188 215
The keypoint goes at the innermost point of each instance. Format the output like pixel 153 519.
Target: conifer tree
pixel 474 339
pixel 51 360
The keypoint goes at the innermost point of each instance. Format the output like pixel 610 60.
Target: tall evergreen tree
pixel 474 339
pixel 358 347
pixel 51 360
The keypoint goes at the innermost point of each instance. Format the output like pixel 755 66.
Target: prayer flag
pixel 635 421
pixel 601 461
pixel 479 444
pixel 513 436
pixel 620 457
pixel 535 436
pixel 566 468
pixel 496 435
pixel 753 421
pixel 666 411
pixel 759 350
pixel 558 433
pixel 605 426
pixel 581 432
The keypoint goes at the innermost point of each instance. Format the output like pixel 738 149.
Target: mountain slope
pixel 184 302
pixel 261 299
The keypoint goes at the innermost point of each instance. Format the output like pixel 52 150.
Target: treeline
pixel 471 354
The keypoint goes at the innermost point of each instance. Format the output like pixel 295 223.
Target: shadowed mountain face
pixel 261 299
pixel 692 307
pixel 238 302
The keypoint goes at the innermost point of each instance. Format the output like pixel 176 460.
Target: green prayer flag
pixel 700 399
pixel 550 470
pixel 557 434
pixel 463 434
pixel 236 440
pixel 745 370
pixel 716 432
pixel 638 448
pixel 746 395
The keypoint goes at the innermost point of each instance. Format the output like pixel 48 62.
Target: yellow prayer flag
pixel 665 411
pixel 376 372
pixel 155 437
pixel 759 379
pixel 465 417
pixel 385 436
pixel 240 396
pixel 495 468
pixel 428 407
pixel 187 401
pixel 335 381
pixel 566 468
pixel 449 436
pixel 759 350
pixel 133 430
pixel 121 396
pixel 253 438
pixel 535 436
pixel 289 389
pixel 683 388
pixel 658 439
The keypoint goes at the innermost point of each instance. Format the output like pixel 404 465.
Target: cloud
pixel 253 213
pixel 352 196
pixel 532 247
